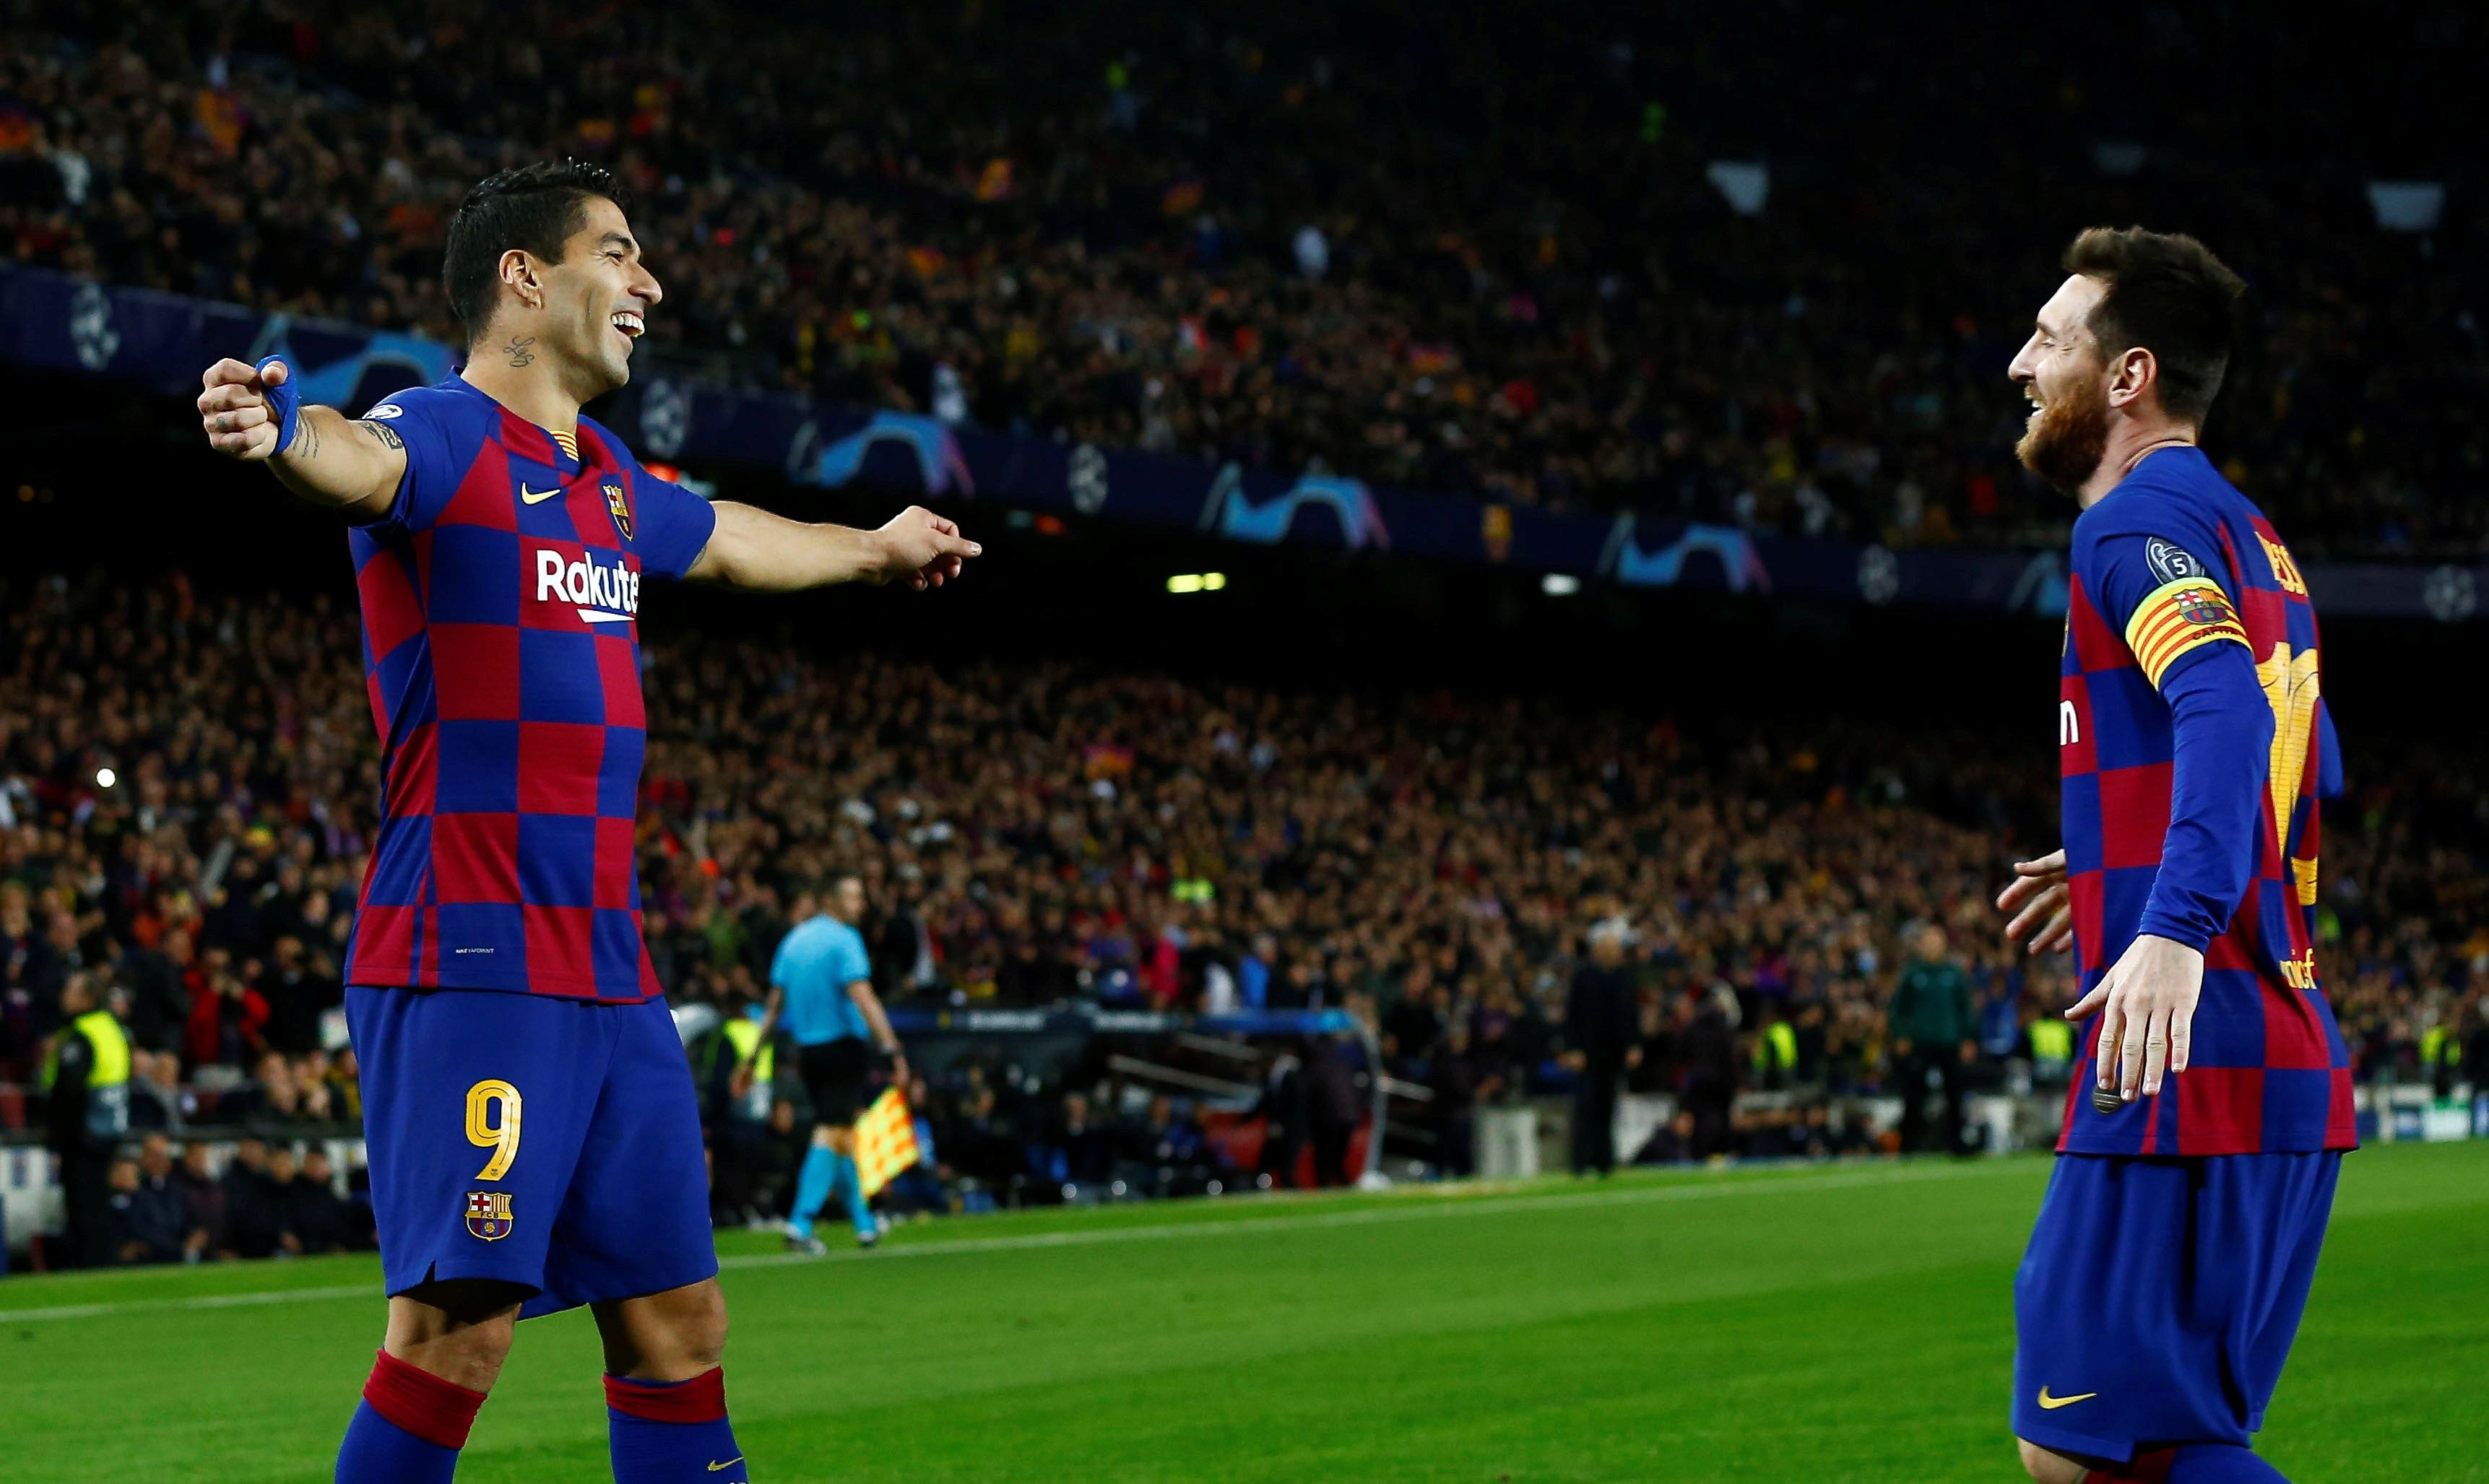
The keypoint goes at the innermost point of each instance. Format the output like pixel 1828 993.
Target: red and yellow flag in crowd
pixel 885 1142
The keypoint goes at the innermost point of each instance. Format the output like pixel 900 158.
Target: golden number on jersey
pixel 502 1138
pixel 2291 688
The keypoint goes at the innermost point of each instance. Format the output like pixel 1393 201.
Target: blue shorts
pixel 549 1143
pixel 2158 1298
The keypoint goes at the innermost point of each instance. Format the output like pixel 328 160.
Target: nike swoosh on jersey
pixel 728 1464
pixel 536 497
pixel 2049 1402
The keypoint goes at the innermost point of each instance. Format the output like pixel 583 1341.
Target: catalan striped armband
pixel 2178 616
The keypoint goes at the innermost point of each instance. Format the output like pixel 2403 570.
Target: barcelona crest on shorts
pixel 619 507
pixel 488 1214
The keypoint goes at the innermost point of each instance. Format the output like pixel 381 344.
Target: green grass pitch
pixel 1825 1324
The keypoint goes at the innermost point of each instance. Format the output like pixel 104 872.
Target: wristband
pixel 285 400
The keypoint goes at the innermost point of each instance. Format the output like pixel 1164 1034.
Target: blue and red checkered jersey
pixel 500 600
pixel 2174 570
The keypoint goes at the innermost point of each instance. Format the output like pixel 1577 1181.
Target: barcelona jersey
pixel 2171 569
pixel 501 599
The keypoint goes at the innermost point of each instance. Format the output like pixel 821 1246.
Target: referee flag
pixel 885 1142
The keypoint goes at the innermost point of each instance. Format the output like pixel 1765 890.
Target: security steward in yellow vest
pixel 86 1084
pixel 750 1155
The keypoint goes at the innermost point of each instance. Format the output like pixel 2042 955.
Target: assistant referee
pixel 822 985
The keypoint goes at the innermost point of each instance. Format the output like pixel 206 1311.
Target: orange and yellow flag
pixel 885 1142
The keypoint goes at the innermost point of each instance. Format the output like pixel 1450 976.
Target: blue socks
pixel 667 1432
pixel 850 1186
pixel 813 1186
pixel 828 1175
pixel 2193 1463
pixel 411 1424
pixel 379 1451
pixel 2220 1463
pixel 409 1428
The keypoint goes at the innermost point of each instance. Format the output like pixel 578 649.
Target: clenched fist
pixel 237 411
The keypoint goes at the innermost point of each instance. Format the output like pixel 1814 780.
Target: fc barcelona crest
pixel 488 1214
pixel 2200 607
pixel 621 508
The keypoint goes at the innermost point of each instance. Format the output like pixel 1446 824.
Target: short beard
pixel 2064 443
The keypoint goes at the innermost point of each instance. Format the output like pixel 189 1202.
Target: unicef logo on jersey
pixel 599 592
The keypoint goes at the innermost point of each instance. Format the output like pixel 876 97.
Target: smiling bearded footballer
pixel 2174 1250
pixel 533 1136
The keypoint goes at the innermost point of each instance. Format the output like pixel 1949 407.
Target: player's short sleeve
pixel 2157 590
pixel 674 526
pixel 428 421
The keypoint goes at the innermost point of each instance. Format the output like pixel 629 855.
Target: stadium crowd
pixel 1475 255
pixel 187 785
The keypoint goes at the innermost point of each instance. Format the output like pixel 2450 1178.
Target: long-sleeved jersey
pixel 2194 743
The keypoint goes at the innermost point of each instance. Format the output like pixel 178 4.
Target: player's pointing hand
pixel 2042 910
pixel 234 411
pixel 924 548
pixel 2147 1005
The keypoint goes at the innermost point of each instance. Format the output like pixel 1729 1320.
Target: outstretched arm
pixel 327 458
pixel 764 553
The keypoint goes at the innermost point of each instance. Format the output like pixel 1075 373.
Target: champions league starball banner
pixel 50 320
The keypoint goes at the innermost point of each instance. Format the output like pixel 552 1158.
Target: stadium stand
pixel 1035 833
pixel 1496 261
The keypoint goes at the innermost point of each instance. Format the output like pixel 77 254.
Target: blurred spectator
pixel 1932 1030
pixel 320 1219
pixel 154 1091
pixel 283 1188
pixel 1671 1143
pixel 1163 1152
pixel 1334 1107
pixel 253 1217
pixel 1458 1085
pixel 297 988
pixel 86 1086
pixel 1601 1019
pixel 1707 1080
pixel 148 1224
pixel 744 1131
pixel 203 1206
pixel 1286 1112
pixel 1080 1147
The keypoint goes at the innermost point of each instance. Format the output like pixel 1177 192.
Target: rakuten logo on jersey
pixel 601 593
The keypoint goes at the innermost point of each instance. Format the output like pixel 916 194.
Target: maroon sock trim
pixel 700 1399
pixel 2151 1465
pixel 415 1401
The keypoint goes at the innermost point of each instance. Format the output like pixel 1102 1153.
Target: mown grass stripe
pixel 1311 1220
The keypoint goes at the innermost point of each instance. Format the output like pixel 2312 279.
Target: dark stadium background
pixel 1096 590
pixel 1522 194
